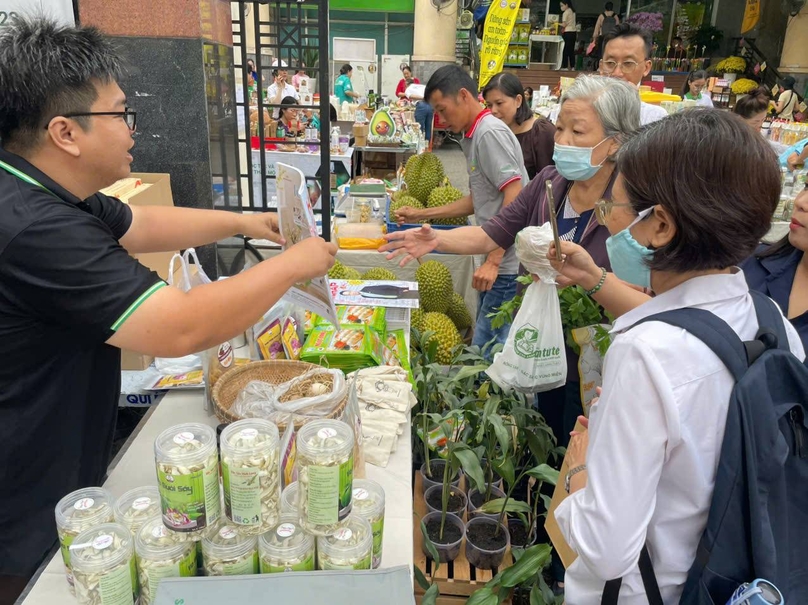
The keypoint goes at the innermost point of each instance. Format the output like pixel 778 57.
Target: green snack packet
pixel 357 315
pixel 312 319
pixel 347 348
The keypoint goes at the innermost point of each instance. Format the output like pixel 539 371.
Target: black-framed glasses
pixel 129 116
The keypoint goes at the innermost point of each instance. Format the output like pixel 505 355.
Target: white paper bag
pixel 534 357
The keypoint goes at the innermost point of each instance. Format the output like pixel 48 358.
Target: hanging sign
pixel 496 37
pixel 751 15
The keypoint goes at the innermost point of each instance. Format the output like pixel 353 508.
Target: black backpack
pixel 757 526
pixel 608 26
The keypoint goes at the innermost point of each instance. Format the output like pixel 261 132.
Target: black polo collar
pixel 28 169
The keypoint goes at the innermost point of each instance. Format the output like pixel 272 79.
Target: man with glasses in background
pixel 627 55
pixel 71 296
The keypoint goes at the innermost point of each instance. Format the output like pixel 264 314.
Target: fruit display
pixel 424 173
pixel 458 312
pixel 340 271
pixel 379 274
pixel 435 286
pixel 417 319
pixel 445 333
pixel 402 201
pixel 441 196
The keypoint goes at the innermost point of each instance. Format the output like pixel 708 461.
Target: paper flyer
pixel 296 222
pixel 372 293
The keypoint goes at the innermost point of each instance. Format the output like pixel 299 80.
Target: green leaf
pixel 547 500
pixel 536 445
pixel 483 596
pixel 544 473
pixel 532 562
pixel 421 578
pixel 546 591
pixel 501 431
pixel 468 372
pixel 493 507
pixel 430 596
pixel 471 466
pixel 429 545
pixel 504 468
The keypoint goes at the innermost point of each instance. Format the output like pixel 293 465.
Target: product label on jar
pixel 141 503
pixel 84 504
pixel 306 565
pixel 65 541
pixel 183 438
pixel 189 502
pixel 329 493
pixel 115 587
pixel 186 568
pixel 378 534
pixel 225 355
pixel 245 567
pixel 242 494
pixel 363 564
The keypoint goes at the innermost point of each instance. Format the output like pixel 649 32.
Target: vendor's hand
pixel 311 258
pixel 262 225
pixel 409 215
pixel 411 244
pixel 576 266
pixel 485 276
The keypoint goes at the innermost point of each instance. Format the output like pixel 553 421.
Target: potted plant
pixel 707 38
pixel 741 88
pixel 731 67
pixel 527 567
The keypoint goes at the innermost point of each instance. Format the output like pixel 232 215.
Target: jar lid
pixel 84 507
pixel 250 436
pixel 155 541
pixel 101 548
pixel 368 498
pixel 224 539
pixel 185 442
pixel 354 538
pixel 137 506
pixel 325 437
pixel 286 539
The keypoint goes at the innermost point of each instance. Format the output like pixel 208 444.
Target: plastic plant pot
pixel 457 500
pixel 437 466
pixel 519 534
pixel 477 499
pixel 485 548
pixel 448 547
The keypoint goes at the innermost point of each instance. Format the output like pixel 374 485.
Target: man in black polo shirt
pixel 70 293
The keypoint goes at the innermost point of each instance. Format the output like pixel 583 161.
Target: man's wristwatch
pixel 570 473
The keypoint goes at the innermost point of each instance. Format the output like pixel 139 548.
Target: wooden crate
pixel 456 580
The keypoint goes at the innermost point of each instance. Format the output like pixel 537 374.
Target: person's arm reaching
pixel 415 243
pixel 171 323
pixel 457 209
pixel 166 228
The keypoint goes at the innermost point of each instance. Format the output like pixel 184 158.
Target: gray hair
pixel 616 102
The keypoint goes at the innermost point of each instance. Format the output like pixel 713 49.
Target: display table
pixel 308 163
pixel 134 466
pixel 461 267
pixel 558 41
pixel 402 150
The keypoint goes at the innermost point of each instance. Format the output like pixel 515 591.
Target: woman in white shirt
pixel 694 89
pixel 570 34
pixel 643 472
pixel 788 100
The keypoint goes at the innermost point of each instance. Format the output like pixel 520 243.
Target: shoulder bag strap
pixel 611 591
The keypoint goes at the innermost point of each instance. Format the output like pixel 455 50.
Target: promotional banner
pixel 751 15
pixel 496 37
pixel 60 10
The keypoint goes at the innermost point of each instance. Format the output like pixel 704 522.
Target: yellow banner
pixel 496 37
pixel 751 15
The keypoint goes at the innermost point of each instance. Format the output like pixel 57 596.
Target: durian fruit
pixel 417 319
pixel 442 196
pixel 458 312
pixel 435 286
pixel 379 274
pixel 424 173
pixel 445 333
pixel 400 202
pixel 340 271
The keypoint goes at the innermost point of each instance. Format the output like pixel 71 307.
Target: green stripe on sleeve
pixel 134 306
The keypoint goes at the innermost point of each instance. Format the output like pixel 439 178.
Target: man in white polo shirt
pixel 280 89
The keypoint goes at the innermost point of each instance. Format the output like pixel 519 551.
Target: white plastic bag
pixel 534 357
pixel 168 366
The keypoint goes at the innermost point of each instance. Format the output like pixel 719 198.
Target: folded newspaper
pixel 296 221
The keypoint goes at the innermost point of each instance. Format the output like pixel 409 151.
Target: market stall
pixel 134 466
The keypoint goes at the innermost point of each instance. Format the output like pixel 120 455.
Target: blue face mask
pixel 575 163
pixel 629 259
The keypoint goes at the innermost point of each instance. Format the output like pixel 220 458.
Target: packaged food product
pixel 104 566
pixel 311 320
pixel 161 553
pixel 188 477
pixel 250 474
pixel 226 552
pixel 137 506
pixel 349 547
pixel 325 475
pixel 356 315
pixel 218 361
pixel 79 511
pixel 346 348
pixel 286 547
pixel 368 502
pixel 291 338
pixel 396 341
pixel 289 500
pixel 270 345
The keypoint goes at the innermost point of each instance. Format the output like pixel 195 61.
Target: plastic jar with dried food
pixel 250 475
pixel 325 475
pixel 349 547
pixel 286 547
pixel 103 561
pixel 368 502
pixel 289 500
pixel 137 506
pixel 79 511
pixel 226 552
pixel 188 478
pixel 161 553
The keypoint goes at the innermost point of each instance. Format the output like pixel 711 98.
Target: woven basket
pixel 229 386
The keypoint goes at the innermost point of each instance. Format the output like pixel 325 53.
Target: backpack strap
pixel 611 591
pixel 770 320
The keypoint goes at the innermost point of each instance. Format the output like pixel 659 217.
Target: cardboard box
pixel 159 194
pixel 566 554
pixel 135 361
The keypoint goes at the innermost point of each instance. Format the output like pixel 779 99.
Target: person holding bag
pixel 787 101
pixel 642 475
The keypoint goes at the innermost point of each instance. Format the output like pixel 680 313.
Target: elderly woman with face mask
pixel 643 472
